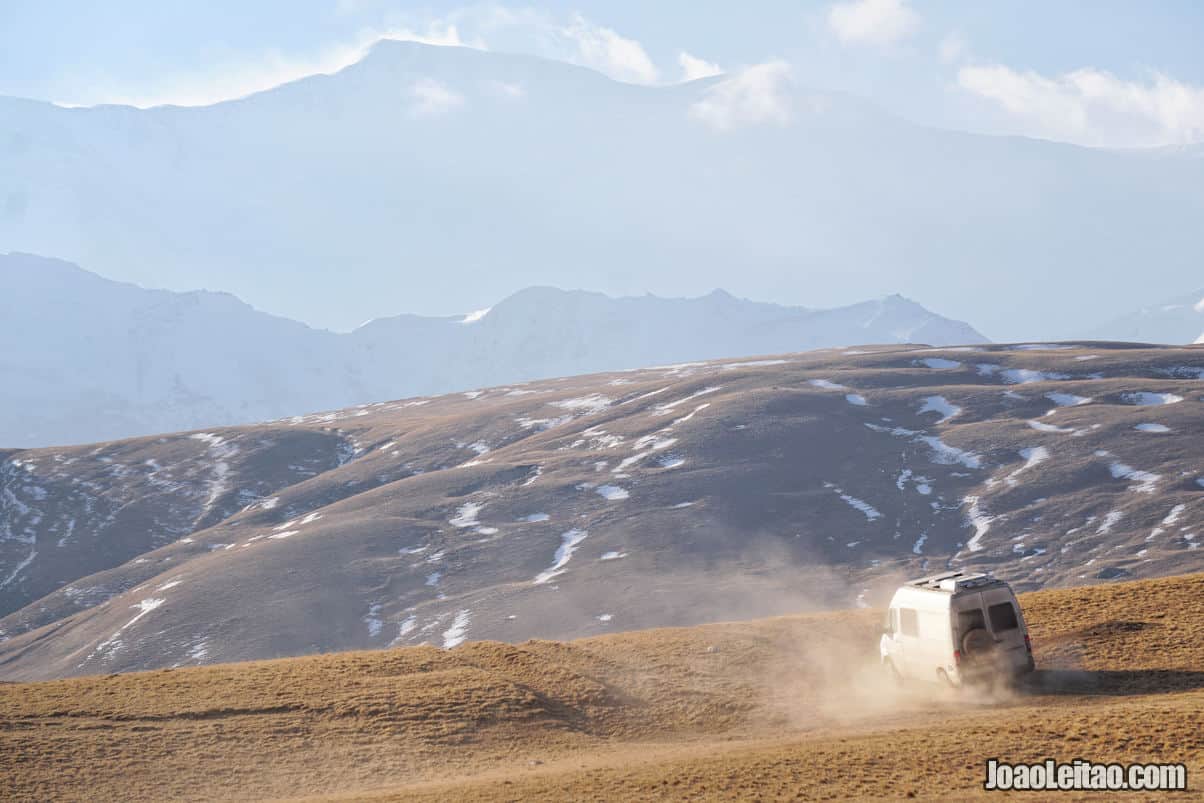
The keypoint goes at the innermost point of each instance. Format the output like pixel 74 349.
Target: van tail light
pixel 957 657
pixel 1028 644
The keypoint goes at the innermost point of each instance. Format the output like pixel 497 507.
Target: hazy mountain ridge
pixel 382 176
pixel 566 507
pixel 1176 320
pixel 84 359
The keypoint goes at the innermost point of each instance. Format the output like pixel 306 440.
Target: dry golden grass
pixel 777 708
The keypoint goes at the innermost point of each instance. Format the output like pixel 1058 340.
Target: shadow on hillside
pixel 1112 682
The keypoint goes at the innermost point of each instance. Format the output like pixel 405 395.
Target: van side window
pixel 1003 617
pixel 909 623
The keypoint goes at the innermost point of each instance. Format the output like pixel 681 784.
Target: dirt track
pixel 778 708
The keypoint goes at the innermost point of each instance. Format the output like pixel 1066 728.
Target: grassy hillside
pixel 772 708
pixel 668 496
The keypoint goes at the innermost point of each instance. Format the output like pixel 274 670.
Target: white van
pixel 955 628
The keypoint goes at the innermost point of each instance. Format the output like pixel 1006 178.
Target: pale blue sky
pixel 1104 72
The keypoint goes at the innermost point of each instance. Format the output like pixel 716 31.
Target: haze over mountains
pixel 448 175
pixel 86 359
pixel 1176 320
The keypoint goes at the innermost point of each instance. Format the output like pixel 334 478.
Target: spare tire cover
pixel 977 642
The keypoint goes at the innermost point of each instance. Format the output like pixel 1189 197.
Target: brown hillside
pixel 775 708
pixel 670 496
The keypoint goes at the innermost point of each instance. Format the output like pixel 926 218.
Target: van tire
pixel 977 643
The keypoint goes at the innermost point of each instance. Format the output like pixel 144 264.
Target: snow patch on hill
pixel 1144 481
pixel 457 632
pixel 466 516
pixel 564 553
pixel 222 451
pixel 1067 399
pixel 1033 456
pixel 1110 521
pixel 941 406
pixel 1041 426
pixel 870 512
pixel 941 452
pixel 1147 399
pixel 1025 376
pixel 939 363
pixel 979 520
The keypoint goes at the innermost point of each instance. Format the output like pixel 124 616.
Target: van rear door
pixel 1007 626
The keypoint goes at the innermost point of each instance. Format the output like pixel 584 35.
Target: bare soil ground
pixel 782 708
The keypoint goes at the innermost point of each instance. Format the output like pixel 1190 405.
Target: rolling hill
pixel 570 507
pixel 786 708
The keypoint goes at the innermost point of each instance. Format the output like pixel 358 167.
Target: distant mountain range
pixel 1177 320
pixel 85 359
pixel 443 175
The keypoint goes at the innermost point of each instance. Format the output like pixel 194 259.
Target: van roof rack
pixel 952 581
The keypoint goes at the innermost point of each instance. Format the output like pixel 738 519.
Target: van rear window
pixel 1003 617
pixel 909 623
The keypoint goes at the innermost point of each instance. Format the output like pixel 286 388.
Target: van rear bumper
pixel 1010 665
